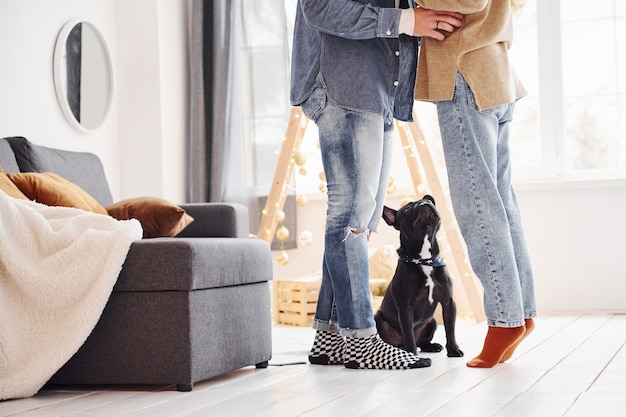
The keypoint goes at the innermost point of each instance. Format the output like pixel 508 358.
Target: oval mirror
pixel 82 75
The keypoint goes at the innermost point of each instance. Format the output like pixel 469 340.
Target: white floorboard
pixel 570 366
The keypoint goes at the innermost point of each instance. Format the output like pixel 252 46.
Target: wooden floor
pixel 570 366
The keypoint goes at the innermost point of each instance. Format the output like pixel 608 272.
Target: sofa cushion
pixel 82 168
pixel 184 264
pixel 7 157
pixel 53 190
pixel 9 187
pixel 158 217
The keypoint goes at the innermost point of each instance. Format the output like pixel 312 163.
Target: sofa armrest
pixel 216 220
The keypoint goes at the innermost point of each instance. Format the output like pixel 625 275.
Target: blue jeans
pixel 356 151
pixel 476 148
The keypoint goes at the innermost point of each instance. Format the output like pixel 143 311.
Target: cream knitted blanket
pixel 58 266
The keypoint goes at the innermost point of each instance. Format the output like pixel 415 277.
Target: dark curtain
pixel 202 150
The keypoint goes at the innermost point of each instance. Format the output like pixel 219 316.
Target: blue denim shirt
pixel 354 49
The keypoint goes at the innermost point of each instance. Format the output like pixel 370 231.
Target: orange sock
pixel 530 325
pixel 498 341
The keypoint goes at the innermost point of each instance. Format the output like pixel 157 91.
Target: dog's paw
pixel 455 353
pixel 431 347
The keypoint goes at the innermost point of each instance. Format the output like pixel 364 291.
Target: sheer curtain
pixel 239 99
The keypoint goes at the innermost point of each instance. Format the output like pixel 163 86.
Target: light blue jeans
pixel 356 151
pixel 476 148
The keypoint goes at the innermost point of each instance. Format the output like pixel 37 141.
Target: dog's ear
pixel 389 215
pixel 429 197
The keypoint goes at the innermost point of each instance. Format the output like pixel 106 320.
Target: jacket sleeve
pixel 351 19
pixel 461 6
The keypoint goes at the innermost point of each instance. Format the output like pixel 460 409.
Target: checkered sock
pixel 328 348
pixel 373 353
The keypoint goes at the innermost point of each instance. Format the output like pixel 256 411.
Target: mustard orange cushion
pixel 53 190
pixel 158 217
pixel 8 187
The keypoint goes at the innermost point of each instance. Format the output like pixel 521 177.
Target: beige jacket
pixel 479 51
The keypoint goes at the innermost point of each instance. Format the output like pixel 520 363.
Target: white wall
pixel 152 91
pixel 28 104
pixel 141 141
pixel 575 232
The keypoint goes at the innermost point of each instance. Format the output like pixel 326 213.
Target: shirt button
pixel 388 32
pixel 397 53
pixel 395 83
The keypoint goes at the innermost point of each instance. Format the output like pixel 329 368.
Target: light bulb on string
pixel 302 200
pixel 305 238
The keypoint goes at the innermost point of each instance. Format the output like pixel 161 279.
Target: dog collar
pixel 434 261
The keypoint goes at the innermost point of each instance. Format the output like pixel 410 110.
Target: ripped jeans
pixel 356 153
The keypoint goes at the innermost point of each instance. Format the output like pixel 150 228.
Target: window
pixel 594 85
pixel 569 126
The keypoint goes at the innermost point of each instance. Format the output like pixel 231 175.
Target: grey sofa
pixel 184 309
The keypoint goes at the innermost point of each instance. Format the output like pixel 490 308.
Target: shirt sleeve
pixel 351 19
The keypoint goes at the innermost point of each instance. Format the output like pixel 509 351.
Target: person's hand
pixel 435 24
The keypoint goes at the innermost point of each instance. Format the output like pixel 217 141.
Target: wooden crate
pixel 294 301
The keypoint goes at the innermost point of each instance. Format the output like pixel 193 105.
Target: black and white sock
pixel 373 353
pixel 328 348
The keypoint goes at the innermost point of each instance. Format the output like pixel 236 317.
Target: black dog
pixel 421 281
